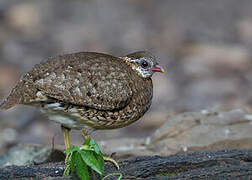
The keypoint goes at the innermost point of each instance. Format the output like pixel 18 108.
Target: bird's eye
pixel 144 64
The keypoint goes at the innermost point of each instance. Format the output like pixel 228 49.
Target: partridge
pixel 88 91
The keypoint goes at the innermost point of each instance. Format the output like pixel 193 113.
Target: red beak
pixel 158 68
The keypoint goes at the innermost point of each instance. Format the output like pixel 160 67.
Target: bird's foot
pixel 109 159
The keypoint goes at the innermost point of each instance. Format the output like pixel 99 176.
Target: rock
pixel 29 155
pixel 125 147
pixel 202 130
pixel 189 132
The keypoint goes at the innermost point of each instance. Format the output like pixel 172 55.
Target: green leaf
pixel 87 142
pixel 100 160
pixel 86 148
pixel 91 145
pixel 96 146
pixel 81 168
pixel 89 154
pixel 71 149
pixel 90 159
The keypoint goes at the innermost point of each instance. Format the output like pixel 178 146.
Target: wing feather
pixel 87 79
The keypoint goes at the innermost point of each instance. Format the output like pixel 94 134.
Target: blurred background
pixel 205 47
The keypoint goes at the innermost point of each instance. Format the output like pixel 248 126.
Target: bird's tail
pixel 2 105
pixel 13 99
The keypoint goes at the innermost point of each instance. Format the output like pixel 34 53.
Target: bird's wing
pixel 86 79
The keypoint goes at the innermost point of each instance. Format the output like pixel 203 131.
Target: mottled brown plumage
pixel 87 90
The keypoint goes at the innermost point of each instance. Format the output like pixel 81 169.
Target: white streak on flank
pixel 76 115
pixel 62 119
pixel 67 121
pixel 72 110
pixel 54 106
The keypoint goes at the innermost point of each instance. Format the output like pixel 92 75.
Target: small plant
pixel 78 158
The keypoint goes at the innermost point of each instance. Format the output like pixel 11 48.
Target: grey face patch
pixel 142 65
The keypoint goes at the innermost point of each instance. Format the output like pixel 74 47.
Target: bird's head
pixel 144 63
